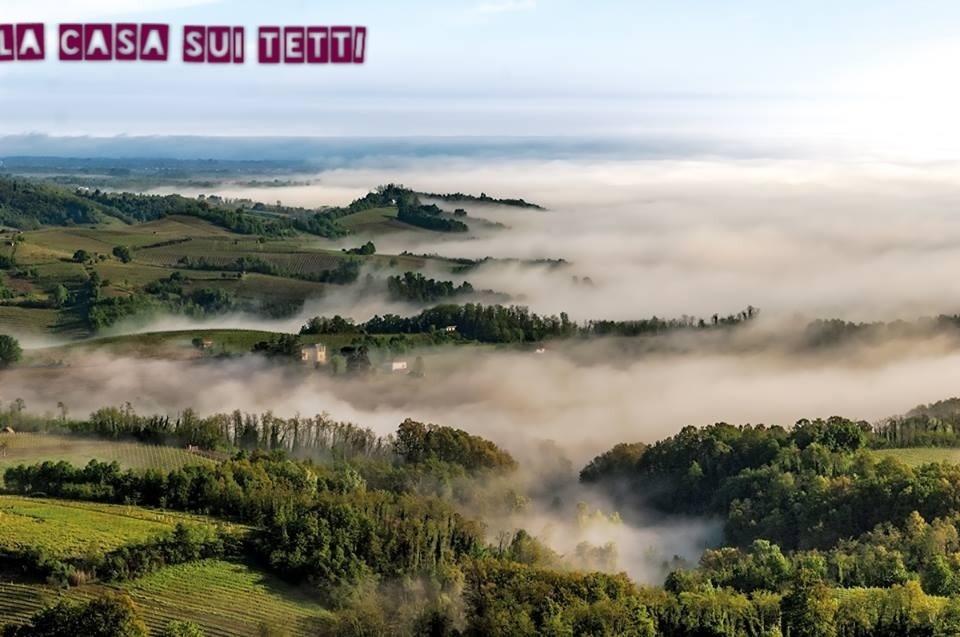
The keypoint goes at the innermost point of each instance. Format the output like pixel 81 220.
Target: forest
pixel 822 536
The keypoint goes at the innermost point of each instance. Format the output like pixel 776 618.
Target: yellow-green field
pixel 921 455
pixel 30 448
pixel 66 528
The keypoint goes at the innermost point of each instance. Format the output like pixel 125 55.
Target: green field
pixel 30 448
pixel 46 260
pixel 225 598
pixel 25 321
pixel 375 220
pixel 66 528
pixel 921 455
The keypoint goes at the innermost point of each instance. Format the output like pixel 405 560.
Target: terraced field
pixel 67 528
pixel 29 448
pixel 18 601
pixel 225 598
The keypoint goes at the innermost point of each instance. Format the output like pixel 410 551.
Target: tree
pixel 418 367
pixel 182 629
pixel 10 351
pixel 809 609
pixel 81 256
pixel 123 253
pixel 108 616
pixel 60 295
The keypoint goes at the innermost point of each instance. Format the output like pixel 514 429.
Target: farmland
pixel 205 256
pixel 915 456
pixel 28 448
pixel 224 598
pixel 66 529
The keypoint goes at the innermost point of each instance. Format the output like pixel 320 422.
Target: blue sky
pixel 853 69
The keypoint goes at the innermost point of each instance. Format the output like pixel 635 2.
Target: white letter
pixel 268 38
pixel 126 41
pixel 195 47
pixel 4 49
pixel 66 35
pixel 218 52
pixel 318 40
pixel 341 39
pixel 154 43
pixel 97 43
pixel 294 44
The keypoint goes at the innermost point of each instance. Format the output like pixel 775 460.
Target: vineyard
pixel 226 599
pixel 28 448
pixel 66 528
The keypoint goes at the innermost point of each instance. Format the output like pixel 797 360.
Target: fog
pixel 857 240
pixel 585 398
pixel 800 239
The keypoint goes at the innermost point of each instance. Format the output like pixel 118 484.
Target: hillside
pixel 27 205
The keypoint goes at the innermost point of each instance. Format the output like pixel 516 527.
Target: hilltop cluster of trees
pixel 414 287
pixel 484 198
pixel 511 324
pixel 409 209
pixel 27 205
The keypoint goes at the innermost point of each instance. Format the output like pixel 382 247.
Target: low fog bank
pixel 552 411
pixel 666 237
pixel 585 398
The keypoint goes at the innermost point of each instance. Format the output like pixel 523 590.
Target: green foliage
pixel 416 288
pixel 182 629
pixel 280 346
pixel 27 205
pixel 134 208
pixel 514 599
pixel 10 351
pixel 417 442
pixel 365 250
pixel 108 616
pixel 124 253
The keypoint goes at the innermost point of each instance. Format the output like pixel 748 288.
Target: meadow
pixel 29 448
pixel 916 456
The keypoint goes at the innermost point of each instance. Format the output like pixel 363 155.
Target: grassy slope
pixel 921 455
pixel 67 528
pixel 29 448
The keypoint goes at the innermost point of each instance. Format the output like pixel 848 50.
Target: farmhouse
pixel 314 354
pixel 394 366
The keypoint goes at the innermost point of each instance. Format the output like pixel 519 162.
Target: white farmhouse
pixel 314 354
pixel 395 366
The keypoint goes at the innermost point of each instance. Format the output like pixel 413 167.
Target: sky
pixel 873 75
